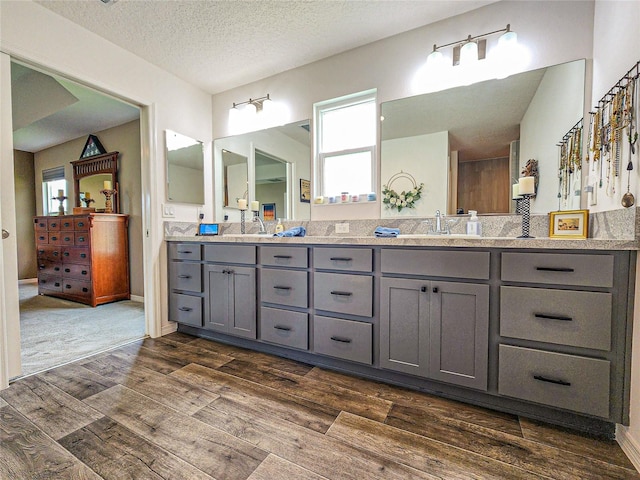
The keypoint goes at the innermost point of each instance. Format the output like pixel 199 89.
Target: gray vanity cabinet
pixel 437 330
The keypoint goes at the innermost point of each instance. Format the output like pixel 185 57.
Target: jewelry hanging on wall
pixel 628 199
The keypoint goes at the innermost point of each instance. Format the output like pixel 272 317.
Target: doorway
pixel 50 135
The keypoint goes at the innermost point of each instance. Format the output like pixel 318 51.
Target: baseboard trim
pixel 26 281
pixel 169 328
pixel 137 298
pixel 629 445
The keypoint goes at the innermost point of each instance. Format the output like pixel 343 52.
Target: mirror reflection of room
pixel 185 168
pixel 272 183
pixel 234 178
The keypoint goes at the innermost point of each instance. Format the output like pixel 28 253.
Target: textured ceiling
pixel 217 45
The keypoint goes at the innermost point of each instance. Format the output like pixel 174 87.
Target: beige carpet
pixel 55 331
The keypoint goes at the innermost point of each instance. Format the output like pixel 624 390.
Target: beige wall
pixel 126 140
pixel 23 172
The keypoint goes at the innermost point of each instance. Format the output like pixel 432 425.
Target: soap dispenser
pixel 279 226
pixel 474 227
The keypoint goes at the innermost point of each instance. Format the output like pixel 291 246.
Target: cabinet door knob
pixel 435 290
pixel 423 289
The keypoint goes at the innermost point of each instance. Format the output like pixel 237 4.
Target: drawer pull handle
pixel 282 256
pixel 185 309
pixel 85 289
pixel 40 238
pixel 435 289
pixel 555 269
pixel 280 327
pixel 341 259
pixel 83 255
pixel 185 276
pixel 81 224
pixel 55 254
pixel 54 238
pixel 228 272
pixel 81 239
pixel 66 254
pixel 342 294
pixel 84 272
pixel 341 339
pixel 553 317
pixel 66 224
pixel 57 284
pixel 67 286
pixel 41 267
pixel 67 270
pixel 67 239
pixel 186 252
pixel 423 289
pixel 56 269
pixel 551 380
pixel 281 287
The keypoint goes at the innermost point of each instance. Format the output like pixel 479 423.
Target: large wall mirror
pixel 266 166
pixel 92 175
pixel 185 168
pixel 468 144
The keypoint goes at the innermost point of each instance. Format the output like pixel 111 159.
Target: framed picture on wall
pixel 268 212
pixel 305 191
pixel 569 224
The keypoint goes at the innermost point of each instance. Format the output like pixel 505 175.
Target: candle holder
pixel 242 226
pixel 108 193
pixel 87 202
pixel 61 199
pixel 525 210
pixel 518 205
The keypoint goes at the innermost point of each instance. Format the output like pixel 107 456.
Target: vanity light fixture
pixel 255 114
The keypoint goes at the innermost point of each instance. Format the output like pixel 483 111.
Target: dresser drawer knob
pixel 67 286
pixel 283 328
pixel 555 269
pixel 41 267
pixel 54 238
pixel 83 255
pixel 66 224
pixel 84 272
pixel 85 289
pixel 553 317
pixel 56 269
pixel 57 284
pixel 67 270
pixel 56 253
pixel 81 239
pixel 40 238
pixel 341 339
pixel 81 224
pixel 341 294
pixel 66 254
pixel 540 378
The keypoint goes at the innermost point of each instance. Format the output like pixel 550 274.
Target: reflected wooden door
pixel 484 185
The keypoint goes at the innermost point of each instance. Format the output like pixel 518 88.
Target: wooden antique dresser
pixel 83 258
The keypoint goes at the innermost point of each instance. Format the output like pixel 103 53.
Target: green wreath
pixel 404 199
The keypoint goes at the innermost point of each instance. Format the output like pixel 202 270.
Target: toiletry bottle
pixel 474 227
pixel 279 226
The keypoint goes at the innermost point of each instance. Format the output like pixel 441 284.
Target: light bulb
pixel 435 60
pixel 468 53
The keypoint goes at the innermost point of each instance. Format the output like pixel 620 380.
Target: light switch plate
pixel 342 228
pixel 168 211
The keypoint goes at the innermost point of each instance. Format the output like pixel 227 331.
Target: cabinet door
pixel 218 307
pixel 459 334
pixel 242 302
pixel 404 325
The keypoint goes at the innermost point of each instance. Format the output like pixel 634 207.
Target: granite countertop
pixel 420 241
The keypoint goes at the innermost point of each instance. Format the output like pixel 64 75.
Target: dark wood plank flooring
pixel 181 407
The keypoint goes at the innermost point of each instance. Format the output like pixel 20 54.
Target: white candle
pixel 106 185
pixel 61 193
pixel 515 191
pixel 242 203
pixel 526 185
pixel 255 205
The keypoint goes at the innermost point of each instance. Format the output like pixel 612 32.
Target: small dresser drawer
pixel 571 382
pixel 185 309
pixel 67 238
pixel 50 282
pixel 244 254
pixel 49 267
pixel 343 339
pixel 284 287
pixel 49 252
pixel 55 238
pixel 342 293
pixel 186 276
pixel 294 257
pixel 283 327
pixel 81 224
pixel 40 224
pixel 66 224
pixel 436 263
pixel 580 319
pixel 346 259
pixel 76 255
pixel 42 237
pixel 558 269
pixel 77 287
pixel 77 270
pixel 53 224
pixel 81 238
pixel 184 251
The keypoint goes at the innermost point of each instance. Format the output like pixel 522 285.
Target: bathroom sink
pixel 248 235
pixel 430 235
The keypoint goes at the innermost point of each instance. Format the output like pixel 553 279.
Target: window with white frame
pixel 53 183
pixel 345 133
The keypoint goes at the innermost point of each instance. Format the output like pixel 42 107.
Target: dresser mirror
pixel 483 134
pixel 267 166
pixel 185 168
pixel 92 175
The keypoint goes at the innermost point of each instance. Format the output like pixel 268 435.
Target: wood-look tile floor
pixel 181 407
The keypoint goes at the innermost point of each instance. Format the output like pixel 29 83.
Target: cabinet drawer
pixel 335 292
pixel 81 238
pixel 53 224
pixel 77 270
pixel 40 224
pixel 343 339
pixel 230 254
pixel 81 224
pixel 436 263
pixel 50 282
pixel 66 224
pixel 558 269
pixel 77 287
pixel 42 237
pixel 348 259
pixel 184 251
pixel 49 252
pixel 76 255
pixel 284 256
pixel 284 327
pixel 284 287
pixel 67 238
pixel 185 309
pixel 580 319
pixel 49 267
pixel 55 238
pixel 575 383
pixel 186 276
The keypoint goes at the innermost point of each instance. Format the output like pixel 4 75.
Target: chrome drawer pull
pixel 342 294
pixel 341 259
pixel 186 252
pixel 555 269
pixel 341 339
pixel 185 309
pixel 184 276
pixel 553 317
pixel 281 287
pixel 280 327
pixel 551 380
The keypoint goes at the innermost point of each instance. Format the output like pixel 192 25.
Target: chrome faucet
pixel 442 226
pixel 256 218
